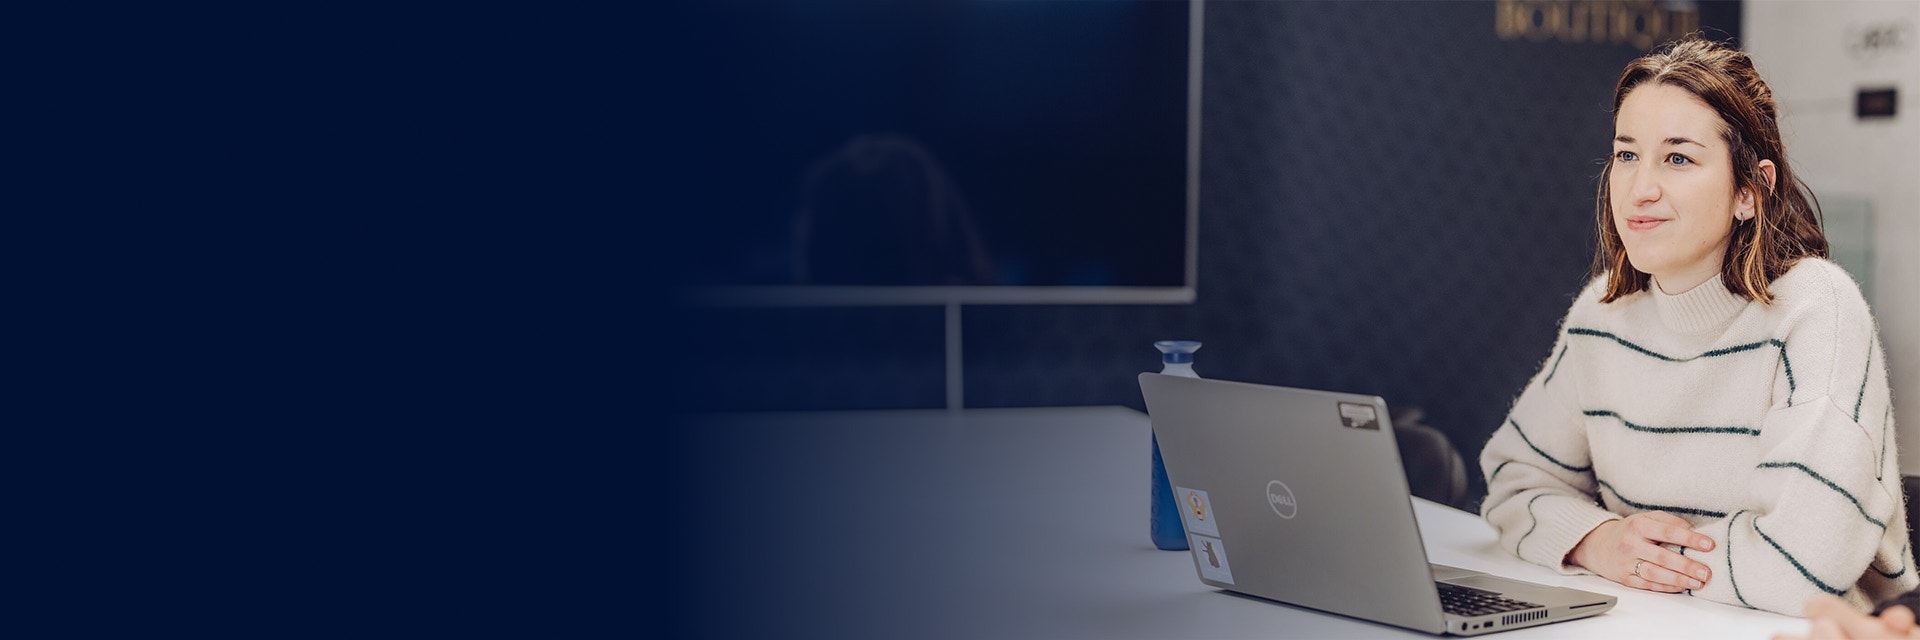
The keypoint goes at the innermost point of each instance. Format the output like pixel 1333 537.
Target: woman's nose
pixel 1643 187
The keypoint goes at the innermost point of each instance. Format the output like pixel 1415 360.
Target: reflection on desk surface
pixel 1018 523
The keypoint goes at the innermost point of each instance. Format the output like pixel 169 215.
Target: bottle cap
pixel 1177 351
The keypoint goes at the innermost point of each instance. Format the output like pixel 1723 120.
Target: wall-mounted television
pixel 952 152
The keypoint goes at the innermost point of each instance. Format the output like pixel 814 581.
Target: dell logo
pixel 1280 498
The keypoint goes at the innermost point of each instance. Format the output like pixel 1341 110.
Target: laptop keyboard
pixel 1467 601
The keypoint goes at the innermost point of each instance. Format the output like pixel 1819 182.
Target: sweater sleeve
pixel 1821 508
pixel 1541 491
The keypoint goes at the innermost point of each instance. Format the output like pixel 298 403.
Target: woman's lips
pixel 1643 224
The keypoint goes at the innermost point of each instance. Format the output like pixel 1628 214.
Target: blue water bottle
pixel 1168 533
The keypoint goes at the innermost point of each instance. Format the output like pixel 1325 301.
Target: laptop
pixel 1298 496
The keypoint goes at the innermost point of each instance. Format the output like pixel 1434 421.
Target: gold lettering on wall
pixel 1638 23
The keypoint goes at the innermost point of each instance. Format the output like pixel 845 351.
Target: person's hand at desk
pixel 1831 618
pixel 1631 552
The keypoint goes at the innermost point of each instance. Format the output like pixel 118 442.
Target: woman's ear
pixel 1767 173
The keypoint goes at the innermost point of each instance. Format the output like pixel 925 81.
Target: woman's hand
pixel 1832 618
pixel 1629 552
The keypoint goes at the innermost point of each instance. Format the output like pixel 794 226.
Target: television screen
pixel 953 143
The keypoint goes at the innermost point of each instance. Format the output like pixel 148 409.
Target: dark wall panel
pixel 1395 200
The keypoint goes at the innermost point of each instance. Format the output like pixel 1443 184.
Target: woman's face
pixel 1671 186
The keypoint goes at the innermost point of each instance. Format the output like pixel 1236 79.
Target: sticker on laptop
pixel 1359 416
pixel 1196 511
pixel 1211 556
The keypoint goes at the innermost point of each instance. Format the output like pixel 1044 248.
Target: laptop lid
pixel 1303 495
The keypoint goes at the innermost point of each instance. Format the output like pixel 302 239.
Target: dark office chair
pixel 1435 470
pixel 1911 486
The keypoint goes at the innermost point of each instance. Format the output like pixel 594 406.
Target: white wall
pixel 1816 55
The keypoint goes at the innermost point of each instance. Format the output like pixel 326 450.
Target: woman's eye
pixel 1625 156
pixel 1678 160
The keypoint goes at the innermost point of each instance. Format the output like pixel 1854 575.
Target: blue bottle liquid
pixel 1168 533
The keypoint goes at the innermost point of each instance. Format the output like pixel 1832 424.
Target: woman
pixel 1714 417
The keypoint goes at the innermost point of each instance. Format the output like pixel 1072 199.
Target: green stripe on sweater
pixel 1496 472
pixel 1795 561
pixel 1830 485
pixel 1556 364
pixel 1602 413
pixel 1863 383
pixel 1536 523
pixel 1543 454
pixel 1729 552
pixel 1710 354
pixel 1788 367
pixel 1578 331
pixel 1660 507
pixel 1903 565
pixel 1886 425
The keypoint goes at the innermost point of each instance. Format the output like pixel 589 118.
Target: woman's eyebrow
pixel 1676 141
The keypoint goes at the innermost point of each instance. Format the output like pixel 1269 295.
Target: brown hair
pixel 1786 222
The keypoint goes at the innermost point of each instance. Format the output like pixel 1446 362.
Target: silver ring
pixel 1636 569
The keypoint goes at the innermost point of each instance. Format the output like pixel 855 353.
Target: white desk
pixel 1032 523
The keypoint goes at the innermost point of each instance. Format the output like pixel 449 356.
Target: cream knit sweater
pixel 1767 426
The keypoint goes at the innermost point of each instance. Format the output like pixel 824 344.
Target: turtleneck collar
pixel 1704 307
